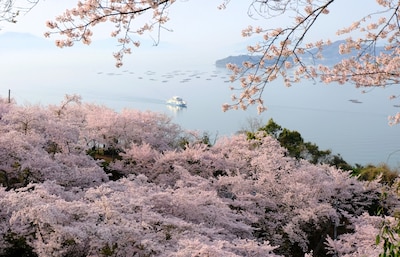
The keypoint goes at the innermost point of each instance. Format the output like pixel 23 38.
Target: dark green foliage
pixel 21 178
pixel 388 235
pixel 183 142
pixel 298 148
pixel 72 248
pixel 389 232
pixel 314 155
pixel 218 173
pixel 292 141
pixel 18 247
pixel 371 172
pixel 338 161
pixel 113 153
pixel 4 181
pixel 205 139
pixel 107 156
pixel 108 250
pixel 52 147
pixel 272 129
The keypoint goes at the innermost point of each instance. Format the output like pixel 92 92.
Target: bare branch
pixel 10 9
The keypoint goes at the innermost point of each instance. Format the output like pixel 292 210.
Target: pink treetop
pixel 239 197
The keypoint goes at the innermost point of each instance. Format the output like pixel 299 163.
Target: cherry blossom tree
pixel 360 243
pixel 284 51
pixel 118 131
pixel 125 218
pixel 41 142
pixel 290 203
pixel 239 197
pixel 38 145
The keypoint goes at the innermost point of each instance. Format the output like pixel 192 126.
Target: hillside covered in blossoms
pixel 79 179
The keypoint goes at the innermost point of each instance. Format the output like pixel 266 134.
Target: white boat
pixel 176 101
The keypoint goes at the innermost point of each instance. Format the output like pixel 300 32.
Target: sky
pixel 198 27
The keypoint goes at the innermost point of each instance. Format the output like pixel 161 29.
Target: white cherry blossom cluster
pixel 159 197
pixel 282 48
pixel 130 18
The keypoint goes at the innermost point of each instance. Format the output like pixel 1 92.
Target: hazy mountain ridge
pixel 330 55
pixel 26 41
pixel 14 40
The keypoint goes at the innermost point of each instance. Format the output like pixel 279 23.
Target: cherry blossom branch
pixel 279 51
pixel 284 49
pixel 74 23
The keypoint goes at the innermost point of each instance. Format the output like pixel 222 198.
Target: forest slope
pixel 163 191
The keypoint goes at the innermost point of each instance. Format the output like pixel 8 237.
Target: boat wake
pixel 144 100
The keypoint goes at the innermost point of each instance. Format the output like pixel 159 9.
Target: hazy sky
pixel 199 27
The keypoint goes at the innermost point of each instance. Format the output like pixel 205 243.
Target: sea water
pixel 337 117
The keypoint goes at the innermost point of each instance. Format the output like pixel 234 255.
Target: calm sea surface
pixel 322 113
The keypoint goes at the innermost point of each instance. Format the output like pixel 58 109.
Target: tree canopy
pixel 76 183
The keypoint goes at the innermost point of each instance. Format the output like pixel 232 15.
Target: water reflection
pixel 176 109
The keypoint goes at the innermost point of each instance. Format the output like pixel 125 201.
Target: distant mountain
pixel 330 53
pixel 23 40
pixel 10 41
pixel 238 60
